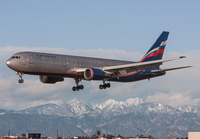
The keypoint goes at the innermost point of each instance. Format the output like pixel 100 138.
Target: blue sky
pixel 110 29
pixel 99 24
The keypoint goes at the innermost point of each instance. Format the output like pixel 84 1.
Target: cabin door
pixel 31 60
pixel 63 62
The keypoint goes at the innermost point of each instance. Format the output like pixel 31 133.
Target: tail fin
pixel 157 50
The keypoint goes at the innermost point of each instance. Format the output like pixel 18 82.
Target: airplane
pixel 53 68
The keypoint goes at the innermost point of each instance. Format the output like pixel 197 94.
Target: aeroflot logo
pixel 156 50
pixel 152 51
pixel 163 43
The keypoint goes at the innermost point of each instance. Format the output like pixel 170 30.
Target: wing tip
pixel 182 57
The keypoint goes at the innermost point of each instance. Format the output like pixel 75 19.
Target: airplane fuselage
pixel 55 65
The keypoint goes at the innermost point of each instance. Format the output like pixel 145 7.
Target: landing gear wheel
pixel 101 86
pixel 21 81
pixel 104 86
pixel 108 85
pixel 74 88
pixel 20 77
pixel 77 87
pixel 81 87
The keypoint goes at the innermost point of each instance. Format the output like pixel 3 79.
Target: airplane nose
pixel 9 63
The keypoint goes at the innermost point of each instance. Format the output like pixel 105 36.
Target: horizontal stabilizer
pixel 160 70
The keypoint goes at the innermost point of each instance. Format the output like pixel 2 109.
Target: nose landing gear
pixel 20 77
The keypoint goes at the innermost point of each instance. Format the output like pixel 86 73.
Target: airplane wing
pixel 138 66
pixel 134 67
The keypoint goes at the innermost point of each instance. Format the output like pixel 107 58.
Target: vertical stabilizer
pixel 157 50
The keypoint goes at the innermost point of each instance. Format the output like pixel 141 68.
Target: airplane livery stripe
pixel 155 49
pixel 56 73
pixel 155 52
pixel 130 74
pixel 152 51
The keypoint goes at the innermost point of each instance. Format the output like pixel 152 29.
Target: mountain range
pixel 78 118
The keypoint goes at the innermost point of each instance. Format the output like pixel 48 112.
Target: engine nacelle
pixel 50 79
pixel 94 74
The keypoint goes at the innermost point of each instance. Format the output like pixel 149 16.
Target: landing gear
pixel 21 81
pixel 77 87
pixel 104 85
pixel 20 77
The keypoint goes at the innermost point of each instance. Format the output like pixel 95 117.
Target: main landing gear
pixel 77 87
pixel 104 85
pixel 20 77
pixel 81 87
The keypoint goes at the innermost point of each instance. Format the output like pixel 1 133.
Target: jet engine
pixel 50 79
pixel 94 74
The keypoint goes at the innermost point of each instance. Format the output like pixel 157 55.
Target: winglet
pixel 182 57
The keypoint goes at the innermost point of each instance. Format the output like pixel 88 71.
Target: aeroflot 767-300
pixel 53 68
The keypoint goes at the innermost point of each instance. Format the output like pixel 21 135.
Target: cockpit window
pixel 17 57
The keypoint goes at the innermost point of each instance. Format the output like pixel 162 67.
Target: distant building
pixel 194 135
pixel 27 136
pixel 36 136
pixel 33 135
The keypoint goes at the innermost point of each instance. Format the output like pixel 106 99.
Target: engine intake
pixel 94 74
pixel 50 79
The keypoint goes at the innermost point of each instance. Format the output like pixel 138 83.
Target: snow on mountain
pixel 76 108
pixel 2 111
pixel 158 107
pixel 190 108
pixel 47 109
pixel 134 101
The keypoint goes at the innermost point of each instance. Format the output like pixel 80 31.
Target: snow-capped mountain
pixel 3 111
pixel 75 108
pixel 133 116
pixel 47 109
pixel 190 108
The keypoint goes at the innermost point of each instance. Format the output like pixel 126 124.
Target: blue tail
pixel 157 50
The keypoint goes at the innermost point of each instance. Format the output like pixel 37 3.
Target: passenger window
pixel 18 57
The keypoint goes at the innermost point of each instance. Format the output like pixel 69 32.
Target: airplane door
pixel 31 60
pixel 63 62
